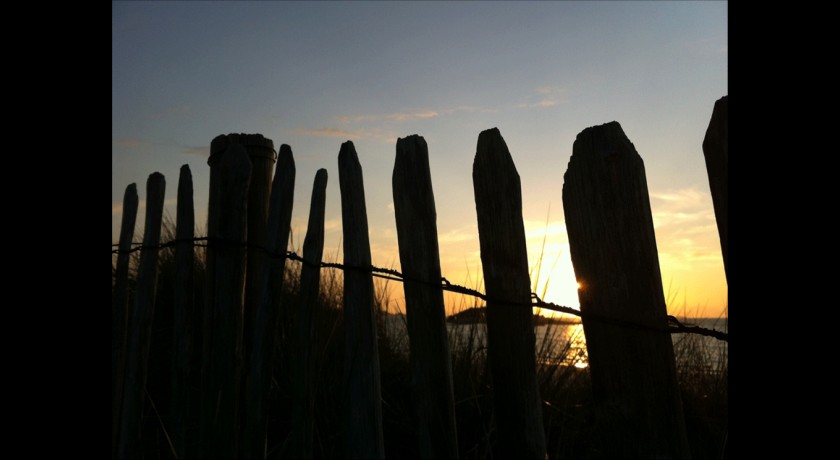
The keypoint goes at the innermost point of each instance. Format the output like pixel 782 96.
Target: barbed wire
pixel 674 325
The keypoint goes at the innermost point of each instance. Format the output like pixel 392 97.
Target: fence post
pixel 120 310
pixel 510 320
pixel 140 323
pixel 613 250
pixel 431 369
pixel 310 282
pixel 270 283
pixel 279 224
pixel 184 312
pixel 716 153
pixel 364 407
pixel 227 222
pixel 261 153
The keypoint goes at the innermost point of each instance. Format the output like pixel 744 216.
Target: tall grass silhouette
pixel 702 368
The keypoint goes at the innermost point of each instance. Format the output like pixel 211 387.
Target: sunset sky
pixel 315 74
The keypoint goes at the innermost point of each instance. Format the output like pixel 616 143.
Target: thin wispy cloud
pixel 546 96
pixel 457 236
pixel 359 134
pixel 686 254
pixel 203 151
pixel 399 117
pixel 468 109
pixel 127 143
pixel 349 119
pixel 327 132
pixel 408 116
pixel 382 127
pixel 684 197
pixel 379 126
pixel 676 209
pixel 686 229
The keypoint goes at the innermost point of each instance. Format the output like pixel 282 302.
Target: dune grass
pixel 567 401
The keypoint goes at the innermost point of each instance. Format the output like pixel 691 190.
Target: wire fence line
pixel 674 326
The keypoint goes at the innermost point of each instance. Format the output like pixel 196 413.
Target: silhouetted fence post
pixel 270 284
pixel 227 222
pixel 431 369
pixel 261 153
pixel 510 320
pixel 613 250
pixel 140 323
pixel 310 282
pixel 279 224
pixel 120 311
pixel 716 153
pixel 363 423
pixel 184 312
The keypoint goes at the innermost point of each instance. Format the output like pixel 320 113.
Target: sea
pixel 564 344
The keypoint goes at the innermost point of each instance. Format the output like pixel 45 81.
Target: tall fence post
pixel 184 312
pixel 261 153
pixel 270 284
pixel 613 250
pixel 279 224
pixel 120 311
pixel 310 282
pixel 431 368
pixel 140 323
pixel 716 153
pixel 226 230
pixel 364 407
pixel 510 320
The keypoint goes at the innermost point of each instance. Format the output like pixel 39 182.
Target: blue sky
pixel 315 74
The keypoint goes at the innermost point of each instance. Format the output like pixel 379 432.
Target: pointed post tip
pixel 491 144
pixel 348 153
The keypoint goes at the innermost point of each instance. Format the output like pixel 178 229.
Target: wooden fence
pixel 225 339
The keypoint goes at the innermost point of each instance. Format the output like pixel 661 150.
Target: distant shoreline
pixel 476 315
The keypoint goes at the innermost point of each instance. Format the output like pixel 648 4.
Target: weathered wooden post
pixel 431 369
pixel 270 284
pixel 140 323
pixel 613 250
pixel 716 152
pixel 279 224
pixel 310 281
pixel 510 320
pixel 261 153
pixel 120 311
pixel 184 311
pixel 363 422
pixel 227 220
